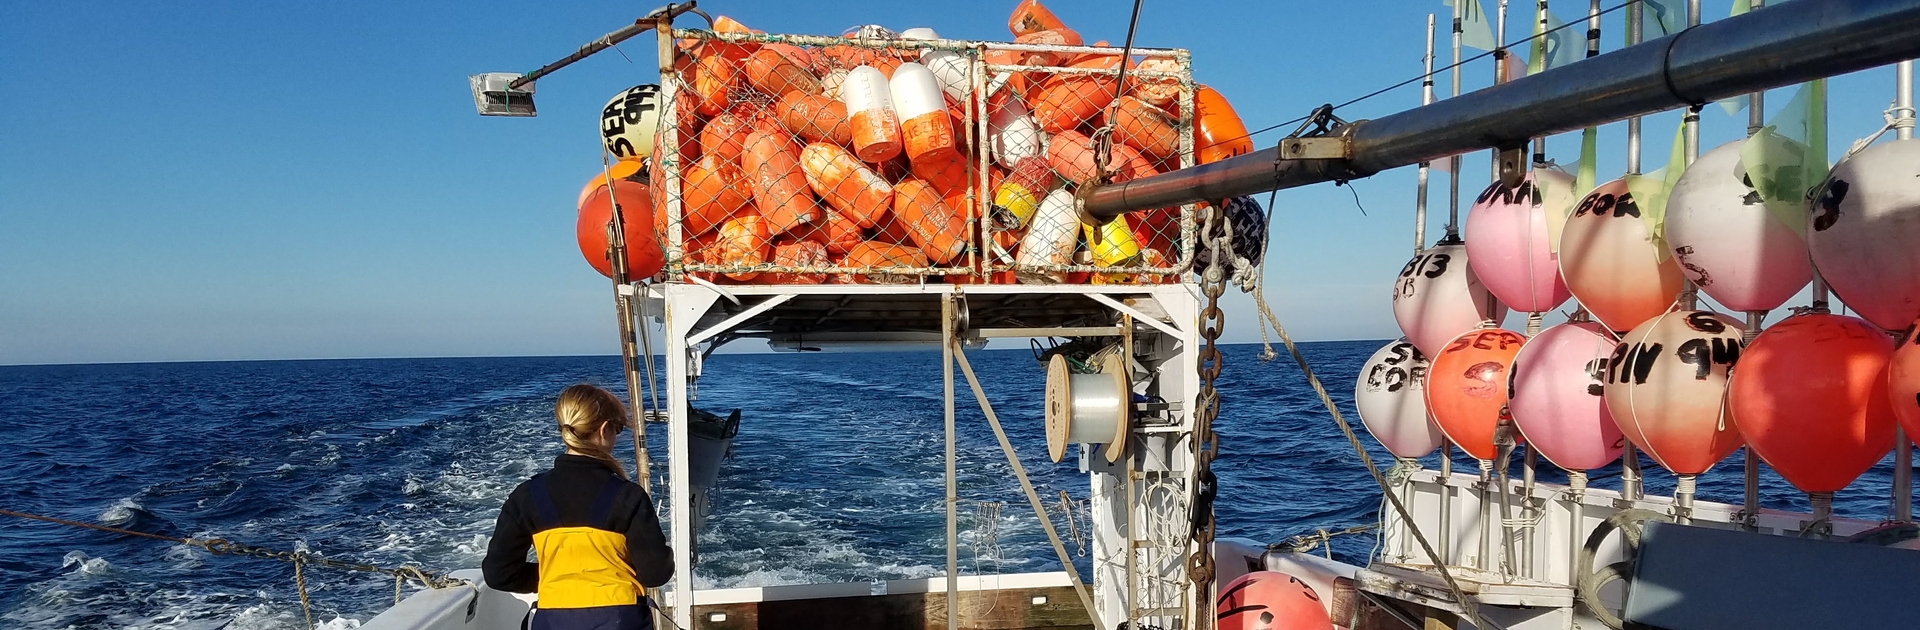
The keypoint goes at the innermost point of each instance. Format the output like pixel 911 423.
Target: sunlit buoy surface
pixel 1811 398
pixel 1864 229
pixel 1467 386
pixel 1665 382
pixel 1270 600
pixel 644 257
pixel 1727 242
pixel 1391 397
pixel 1508 244
pixel 628 122
pixel 1610 262
pixel 1437 297
pixel 1903 384
pixel 1559 400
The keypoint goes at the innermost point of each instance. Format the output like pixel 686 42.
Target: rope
pixel 1897 118
pixel 300 584
pixel 1319 538
pixel 1103 137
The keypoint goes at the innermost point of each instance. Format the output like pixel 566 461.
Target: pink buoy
pixel 1558 397
pixel 1391 398
pixel 1437 297
pixel 1610 263
pixel 1665 385
pixel 1727 242
pixel 1864 224
pixel 1508 242
pixel 1811 399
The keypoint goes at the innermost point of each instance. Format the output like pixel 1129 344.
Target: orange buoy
pixel 878 257
pixel 1611 263
pixel 1070 153
pixel 714 193
pixel 1467 387
pixel 1159 92
pixel 1032 17
pixel 1810 395
pixel 869 101
pixel 926 126
pixel 1061 36
pixel 1903 382
pixel 1270 600
pixel 644 257
pixel 771 165
pixel 714 78
pixel 803 254
pixel 1143 126
pixel 1065 101
pixel 939 230
pixel 815 118
pixel 1666 388
pixel 618 170
pixel 725 136
pixel 846 184
pixel 1218 133
pixel 744 242
pixel 836 233
pixel 773 74
pixel 946 171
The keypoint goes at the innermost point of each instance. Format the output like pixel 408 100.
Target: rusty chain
pixel 1213 283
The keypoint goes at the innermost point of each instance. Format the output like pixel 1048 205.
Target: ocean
pixel 836 474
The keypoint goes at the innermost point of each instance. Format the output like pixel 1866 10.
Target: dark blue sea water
pixel 836 475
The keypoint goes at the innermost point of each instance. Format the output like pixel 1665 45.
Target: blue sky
pixel 243 180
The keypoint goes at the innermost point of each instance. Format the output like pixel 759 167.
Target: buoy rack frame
pixel 1139 535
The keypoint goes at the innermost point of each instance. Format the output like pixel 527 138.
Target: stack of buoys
pixel 866 155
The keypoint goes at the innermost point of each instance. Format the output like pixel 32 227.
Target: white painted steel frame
pixel 685 306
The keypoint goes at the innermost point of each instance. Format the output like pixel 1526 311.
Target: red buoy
pixel 1810 395
pixel 644 257
pixel 1270 600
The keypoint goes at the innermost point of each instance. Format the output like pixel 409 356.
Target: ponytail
pixel 584 411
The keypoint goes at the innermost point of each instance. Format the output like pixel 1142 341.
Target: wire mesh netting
pixel 874 159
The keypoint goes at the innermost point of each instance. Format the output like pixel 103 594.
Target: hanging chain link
pixel 1213 283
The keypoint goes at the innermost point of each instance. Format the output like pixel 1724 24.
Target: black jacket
pixel 573 486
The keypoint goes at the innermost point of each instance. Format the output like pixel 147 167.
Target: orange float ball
pixel 1270 600
pixel 1903 383
pixel 1810 395
pixel 644 257
pixel 1467 387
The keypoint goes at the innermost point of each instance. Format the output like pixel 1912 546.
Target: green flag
pixel 1561 46
pixel 1650 192
pixel 1788 157
pixel 1474 30
pixel 1660 18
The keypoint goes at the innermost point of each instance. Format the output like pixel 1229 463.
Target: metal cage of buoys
pixel 882 157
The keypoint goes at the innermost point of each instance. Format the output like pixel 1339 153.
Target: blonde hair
pixel 583 412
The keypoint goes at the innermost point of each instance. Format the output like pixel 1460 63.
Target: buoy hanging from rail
pixel 1088 408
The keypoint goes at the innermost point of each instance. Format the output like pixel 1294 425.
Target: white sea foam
pixel 121 512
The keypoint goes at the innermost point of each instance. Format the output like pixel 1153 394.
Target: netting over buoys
pixel 1558 398
pixel 1864 230
pixel 1437 297
pixel 1727 241
pixel 1508 241
pixel 1611 263
pixel 1665 384
pixel 1811 398
pixel 1269 600
pixel 1391 398
pixel 1467 387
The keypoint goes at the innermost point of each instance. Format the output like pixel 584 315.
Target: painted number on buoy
pixel 1487 340
pixel 1429 265
pixel 1403 366
pixel 1621 205
pixel 618 114
pixel 1597 370
pixel 1829 205
pixel 1510 196
pixel 1632 361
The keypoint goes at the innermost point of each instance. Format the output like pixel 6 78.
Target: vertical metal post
pixel 1690 131
pixel 1750 469
pixel 1446 502
pixel 1902 448
pixel 1420 197
pixel 1453 162
pixel 1499 77
pixel 1540 14
pixel 1633 124
pixel 681 315
pixel 1530 512
pixel 953 499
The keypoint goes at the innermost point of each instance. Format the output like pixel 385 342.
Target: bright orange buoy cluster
pixel 805 163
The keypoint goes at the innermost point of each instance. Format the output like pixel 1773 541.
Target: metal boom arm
pixel 639 26
pixel 1784 44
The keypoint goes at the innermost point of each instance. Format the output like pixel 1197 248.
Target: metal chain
pixel 1213 283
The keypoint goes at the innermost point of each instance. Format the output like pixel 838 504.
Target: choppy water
pixel 836 475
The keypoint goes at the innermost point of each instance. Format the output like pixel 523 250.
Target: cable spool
pixel 1087 408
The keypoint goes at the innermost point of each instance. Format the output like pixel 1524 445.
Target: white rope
pixel 1897 118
